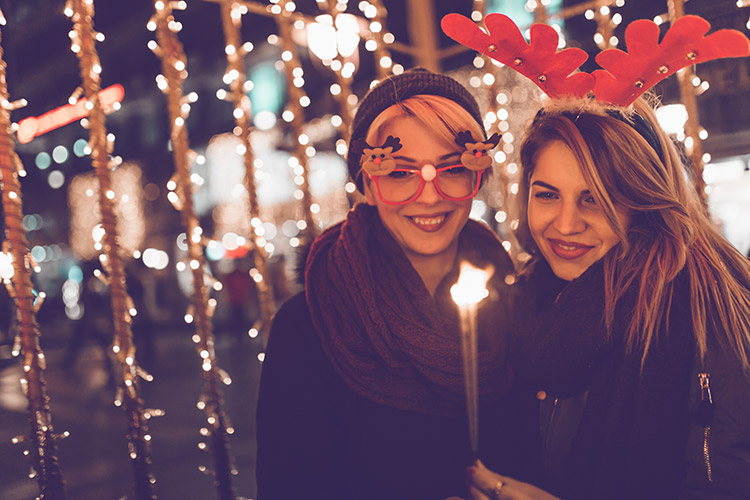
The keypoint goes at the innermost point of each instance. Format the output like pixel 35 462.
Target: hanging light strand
pixel 42 440
pixel 379 38
pixel 173 60
pixel 231 18
pixel 496 119
pixel 294 114
pixel 342 89
pixel 688 95
pixel 83 40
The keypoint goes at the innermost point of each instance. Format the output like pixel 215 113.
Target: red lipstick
pixel 568 250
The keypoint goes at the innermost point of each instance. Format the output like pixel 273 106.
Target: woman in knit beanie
pixel 362 392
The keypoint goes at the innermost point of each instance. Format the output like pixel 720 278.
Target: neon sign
pixel 34 126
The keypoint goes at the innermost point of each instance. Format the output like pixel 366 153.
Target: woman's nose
pixel 569 219
pixel 429 193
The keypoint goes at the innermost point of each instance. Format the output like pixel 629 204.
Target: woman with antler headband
pixel 362 392
pixel 641 352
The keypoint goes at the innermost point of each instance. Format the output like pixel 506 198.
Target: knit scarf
pixel 382 330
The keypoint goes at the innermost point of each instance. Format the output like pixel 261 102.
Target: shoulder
pixel 293 307
pixel 292 329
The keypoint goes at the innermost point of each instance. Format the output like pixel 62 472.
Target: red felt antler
pixel 538 60
pixel 627 75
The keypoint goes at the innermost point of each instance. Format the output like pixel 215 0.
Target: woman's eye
pixel 589 200
pixel 458 170
pixel 545 195
pixel 401 174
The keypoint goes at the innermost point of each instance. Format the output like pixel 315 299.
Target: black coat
pixel 625 432
pixel 318 439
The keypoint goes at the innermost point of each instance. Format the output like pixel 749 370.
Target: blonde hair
pixel 669 229
pixel 442 116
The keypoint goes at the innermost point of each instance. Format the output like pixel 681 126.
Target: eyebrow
pixel 544 185
pixel 553 188
pixel 413 160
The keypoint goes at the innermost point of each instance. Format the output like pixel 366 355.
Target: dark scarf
pixel 381 329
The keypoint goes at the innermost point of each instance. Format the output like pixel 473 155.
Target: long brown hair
pixel 669 228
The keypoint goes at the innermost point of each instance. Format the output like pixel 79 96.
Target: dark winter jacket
pixel 611 430
pixel 319 439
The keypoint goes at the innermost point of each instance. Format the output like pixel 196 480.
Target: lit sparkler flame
pixel 471 285
pixel 467 293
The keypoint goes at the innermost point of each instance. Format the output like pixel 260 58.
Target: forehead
pixel 417 139
pixel 557 165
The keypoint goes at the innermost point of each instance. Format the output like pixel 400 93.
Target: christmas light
pixel 181 189
pixel 231 25
pixel 83 38
pixel 294 114
pixel 16 276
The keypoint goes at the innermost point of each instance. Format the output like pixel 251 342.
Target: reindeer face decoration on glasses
pixel 401 185
pixel 624 77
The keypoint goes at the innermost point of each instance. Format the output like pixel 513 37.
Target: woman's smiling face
pixel 567 224
pixel 429 225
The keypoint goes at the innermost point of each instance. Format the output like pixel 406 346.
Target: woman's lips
pixel 568 250
pixel 429 223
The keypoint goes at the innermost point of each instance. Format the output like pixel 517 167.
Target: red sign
pixel 34 126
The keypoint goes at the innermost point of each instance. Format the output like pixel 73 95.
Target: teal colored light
pixel 75 273
pixel 30 222
pixel 268 89
pixel 43 160
pixel 79 148
pixel 215 252
pixel 39 253
pixel 516 10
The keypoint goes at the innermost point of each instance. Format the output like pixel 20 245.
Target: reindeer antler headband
pixel 625 76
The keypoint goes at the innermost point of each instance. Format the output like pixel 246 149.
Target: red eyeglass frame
pixel 376 178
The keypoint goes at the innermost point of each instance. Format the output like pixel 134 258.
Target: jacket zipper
pixel 706 397
pixel 549 431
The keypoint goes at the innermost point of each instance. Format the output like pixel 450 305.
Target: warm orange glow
pixel 471 286
pixel 34 126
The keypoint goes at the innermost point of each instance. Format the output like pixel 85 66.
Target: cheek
pixel 608 236
pixel 464 209
pixel 534 217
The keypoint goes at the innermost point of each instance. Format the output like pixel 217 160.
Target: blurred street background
pixel 94 458
pixel 301 182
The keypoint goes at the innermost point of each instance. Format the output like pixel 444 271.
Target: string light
pixel 294 114
pixel 181 187
pixel 83 38
pixel 16 265
pixel 690 87
pixel 231 22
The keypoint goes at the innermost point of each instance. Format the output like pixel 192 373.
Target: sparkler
pixel 467 293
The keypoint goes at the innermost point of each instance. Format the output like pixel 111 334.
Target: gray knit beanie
pixel 394 89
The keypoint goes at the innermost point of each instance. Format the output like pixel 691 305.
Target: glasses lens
pixel 400 185
pixel 457 181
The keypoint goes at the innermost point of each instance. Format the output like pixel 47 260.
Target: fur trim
pixel 581 105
